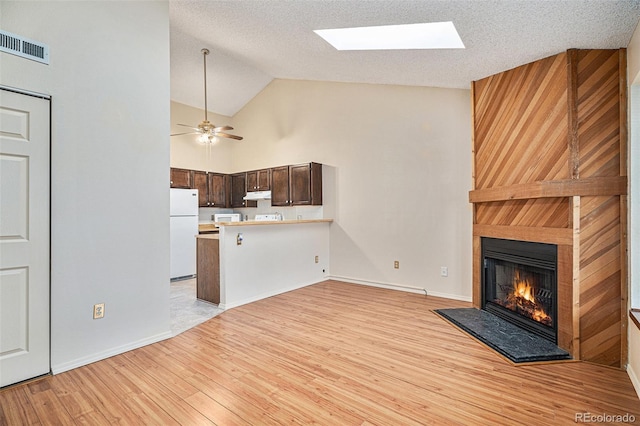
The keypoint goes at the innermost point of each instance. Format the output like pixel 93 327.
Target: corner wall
pixel 109 83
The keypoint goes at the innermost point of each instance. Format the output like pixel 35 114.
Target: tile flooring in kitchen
pixel 186 310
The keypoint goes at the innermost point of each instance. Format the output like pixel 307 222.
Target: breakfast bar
pixel 259 259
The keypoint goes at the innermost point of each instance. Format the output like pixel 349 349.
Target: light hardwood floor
pixel 331 353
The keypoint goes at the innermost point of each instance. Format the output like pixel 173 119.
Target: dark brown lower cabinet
pixel 208 268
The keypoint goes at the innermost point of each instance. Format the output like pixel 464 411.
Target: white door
pixel 24 237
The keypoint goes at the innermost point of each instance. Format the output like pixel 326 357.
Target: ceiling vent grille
pixel 23 47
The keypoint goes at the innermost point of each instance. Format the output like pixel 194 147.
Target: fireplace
pixel 519 284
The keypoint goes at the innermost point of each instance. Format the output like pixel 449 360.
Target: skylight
pixel 435 35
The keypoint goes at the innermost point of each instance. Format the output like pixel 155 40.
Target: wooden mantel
pixel 549 158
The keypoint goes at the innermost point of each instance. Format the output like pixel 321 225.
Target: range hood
pixel 258 195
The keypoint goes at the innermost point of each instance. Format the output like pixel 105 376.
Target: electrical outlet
pixel 396 264
pixel 444 271
pixel 317 259
pixel 98 311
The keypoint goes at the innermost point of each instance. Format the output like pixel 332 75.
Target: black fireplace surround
pixel 519 284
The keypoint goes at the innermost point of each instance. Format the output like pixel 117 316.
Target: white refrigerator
pixel 183 230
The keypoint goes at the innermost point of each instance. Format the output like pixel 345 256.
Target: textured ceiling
pixel 253 42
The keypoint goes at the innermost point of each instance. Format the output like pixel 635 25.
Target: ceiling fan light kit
pixel 209 132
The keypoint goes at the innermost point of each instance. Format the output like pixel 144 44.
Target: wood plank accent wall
pixel 549 152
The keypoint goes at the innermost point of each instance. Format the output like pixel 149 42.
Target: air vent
pixel 23 47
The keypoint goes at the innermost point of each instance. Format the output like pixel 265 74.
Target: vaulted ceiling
pixel 255 41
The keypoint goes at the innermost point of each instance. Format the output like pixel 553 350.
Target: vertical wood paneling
pixel 624 302
pixel 476 274
pixel 572 113
pixel 565 317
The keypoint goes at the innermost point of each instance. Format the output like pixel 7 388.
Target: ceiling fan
pixel 206 129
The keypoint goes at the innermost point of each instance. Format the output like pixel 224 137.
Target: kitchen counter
pixel 213 236
pixel 275 222
pixel 259 259
pixel 208 227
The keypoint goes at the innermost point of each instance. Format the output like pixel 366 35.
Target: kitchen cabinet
pixel 181 178
pixel 208 268
pixel 239 190
pixel 201 183
pixel 219 188
pixel 259 180
pixel 296 185
pixel 212 188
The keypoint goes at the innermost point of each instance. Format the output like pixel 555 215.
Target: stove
pixel 268 217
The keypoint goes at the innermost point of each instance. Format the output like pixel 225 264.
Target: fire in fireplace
pixel 520 284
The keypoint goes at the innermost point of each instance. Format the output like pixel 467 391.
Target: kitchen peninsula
pixel 261 259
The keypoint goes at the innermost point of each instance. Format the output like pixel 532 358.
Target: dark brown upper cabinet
pixel 239 190
pixel 181 178
pixel 213 189
pixel 298 185
pixel 259 180
pixel 219 189
pixel 201 183
pixel 280 186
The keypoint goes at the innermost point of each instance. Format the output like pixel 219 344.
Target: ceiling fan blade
pixel 227 135
pixel 189 126
pixel 222 128
pixel 187 133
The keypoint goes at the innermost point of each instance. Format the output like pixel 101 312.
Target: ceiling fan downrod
pixel 205 52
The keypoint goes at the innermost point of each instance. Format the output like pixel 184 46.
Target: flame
pixel 524 291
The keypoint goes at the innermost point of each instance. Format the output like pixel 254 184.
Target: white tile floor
pixel 186 310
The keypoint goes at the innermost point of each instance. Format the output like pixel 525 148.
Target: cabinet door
pixel 239 190
pixel 300 184
pixel 280 186
pixel 218 191
pixel 305 184
pixel 181 178
pixel 259 180
pixel 201 183
pixel 252 181
pixel 264 179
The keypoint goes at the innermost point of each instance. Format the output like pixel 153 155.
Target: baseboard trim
pixel 400 287
pixel 265 295
pixel 61 368
pixel 634 379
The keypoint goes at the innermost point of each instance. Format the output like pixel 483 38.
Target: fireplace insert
pixel 519 284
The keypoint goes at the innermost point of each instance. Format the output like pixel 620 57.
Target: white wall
pixel 633 63
pixel 109 83
pixel 400 159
